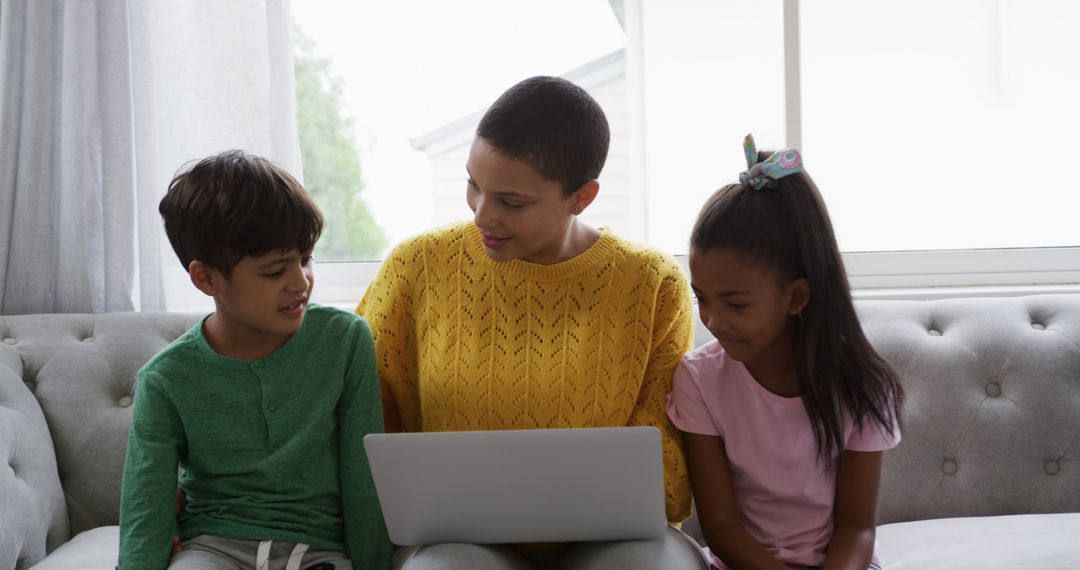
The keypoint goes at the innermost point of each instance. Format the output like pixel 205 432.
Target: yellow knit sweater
pixel 464 342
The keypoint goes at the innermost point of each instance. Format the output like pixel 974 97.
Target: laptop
pixel 536 485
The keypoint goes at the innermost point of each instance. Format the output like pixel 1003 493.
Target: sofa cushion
pixel 1046 542
pixel 95 549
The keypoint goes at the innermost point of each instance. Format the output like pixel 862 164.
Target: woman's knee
pixel 675 551
pixel 459 556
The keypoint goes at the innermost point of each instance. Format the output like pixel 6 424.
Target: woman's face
pixel 520 214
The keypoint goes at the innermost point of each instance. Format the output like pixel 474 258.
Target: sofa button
pixel 88 339
pixel 1051 467
pixel 934 332
pixel 1038 326
pixel 9 341
pixel 124 401
pixel 272 406
pixel 949 467
pixel 993 389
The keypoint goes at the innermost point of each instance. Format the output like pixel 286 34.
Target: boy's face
pixel 264 298
pixel 520 214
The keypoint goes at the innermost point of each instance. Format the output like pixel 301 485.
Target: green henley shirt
pixel 269 449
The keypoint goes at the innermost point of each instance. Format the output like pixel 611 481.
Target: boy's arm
pixel 672 338
pixel 148 491
pixel 366 539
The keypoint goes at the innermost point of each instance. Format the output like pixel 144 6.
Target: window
pixel 944 125
pixel 940 134
pixel 402 85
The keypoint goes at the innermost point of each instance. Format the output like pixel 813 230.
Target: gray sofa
pixel 987 475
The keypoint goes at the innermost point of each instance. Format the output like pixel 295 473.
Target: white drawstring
pixel 297 555
pixel 262 556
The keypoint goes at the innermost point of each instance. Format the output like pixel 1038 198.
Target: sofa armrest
pixel 33 513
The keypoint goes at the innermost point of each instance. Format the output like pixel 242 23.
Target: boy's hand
pixel 181 502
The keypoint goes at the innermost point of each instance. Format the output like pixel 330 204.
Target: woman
pixel 529 318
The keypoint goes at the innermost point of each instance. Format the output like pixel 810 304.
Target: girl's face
pixel 745 305
pixel 520 214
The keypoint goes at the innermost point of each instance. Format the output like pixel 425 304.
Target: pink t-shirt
pixel 784 495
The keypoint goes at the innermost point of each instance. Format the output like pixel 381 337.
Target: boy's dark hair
pixel 234 205
pixel 786 226
pixel 553 126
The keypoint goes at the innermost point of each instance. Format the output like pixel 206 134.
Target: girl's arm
pixel 855 512
pixel 721 523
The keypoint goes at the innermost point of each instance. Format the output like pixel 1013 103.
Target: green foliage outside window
pixel 331 160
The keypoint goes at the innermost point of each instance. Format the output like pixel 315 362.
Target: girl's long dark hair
pixel 786 226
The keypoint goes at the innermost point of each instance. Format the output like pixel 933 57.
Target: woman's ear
pixel 583 196
pixel 204 277
pixel 798 295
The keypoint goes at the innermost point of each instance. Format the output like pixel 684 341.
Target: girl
pixel 786 413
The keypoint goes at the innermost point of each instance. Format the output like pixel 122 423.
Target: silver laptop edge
pixel 545 485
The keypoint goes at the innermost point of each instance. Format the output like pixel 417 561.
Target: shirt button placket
pixel 269 407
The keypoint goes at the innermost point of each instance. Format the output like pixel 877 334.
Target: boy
pixel 263 404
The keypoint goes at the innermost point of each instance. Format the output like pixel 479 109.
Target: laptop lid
pixel 536 485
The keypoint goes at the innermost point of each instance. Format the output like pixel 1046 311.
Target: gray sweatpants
pixel 208 552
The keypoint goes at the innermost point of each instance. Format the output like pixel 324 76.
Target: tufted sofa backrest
pixel 991 424
pixel 992 417
pixel 68 378
pixel 991 421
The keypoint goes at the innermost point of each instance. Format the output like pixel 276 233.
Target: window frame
pixel 873 275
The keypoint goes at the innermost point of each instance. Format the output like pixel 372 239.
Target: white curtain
pixel 100 103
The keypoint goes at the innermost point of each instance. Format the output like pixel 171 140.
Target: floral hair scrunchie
pixel 780 164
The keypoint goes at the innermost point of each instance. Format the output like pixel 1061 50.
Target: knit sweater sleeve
pixel 672 338
pixel 359 414
pixel 148 490
pixel 389 305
